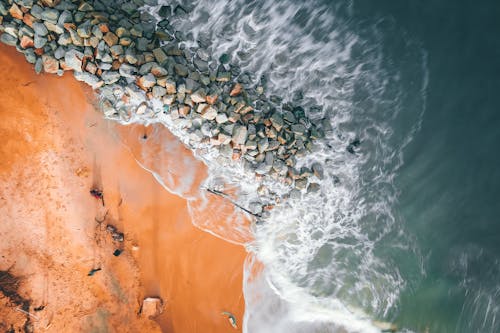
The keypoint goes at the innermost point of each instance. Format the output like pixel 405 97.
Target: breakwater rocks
pixel 140 67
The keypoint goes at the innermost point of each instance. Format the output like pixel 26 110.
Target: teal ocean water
pixel 449 183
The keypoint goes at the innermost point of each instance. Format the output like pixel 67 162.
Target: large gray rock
pixel 160 56
pixel 64 39
pixel 209 113
pixel 89 79
pixel 39 41
pixel 84 30
pixel 277 121
pixel 181 70
pixel 158 91
pixel 40 29
pixel 240 134
pixel 65 17
pixel 8 39
pixel 73 59
pixel 110 77
pixel 127 70
pixel 36 11
pixel 50 14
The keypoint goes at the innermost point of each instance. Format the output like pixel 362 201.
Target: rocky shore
pixel 140 68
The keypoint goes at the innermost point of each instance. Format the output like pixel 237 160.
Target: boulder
pixel 151 307
pixel 181 70
pixel 73 59
pixel 147 81
pixel 40 29
pixel 239 134
pixel 209 113
pixel 199 96
pixel 110 77
pixel 110 38
pixel 8 39
pixel 50 64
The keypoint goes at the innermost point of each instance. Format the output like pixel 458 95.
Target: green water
pixel 450 181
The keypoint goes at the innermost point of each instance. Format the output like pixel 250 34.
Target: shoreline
pixel 50 170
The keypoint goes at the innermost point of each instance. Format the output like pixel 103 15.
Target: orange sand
pixel 54 148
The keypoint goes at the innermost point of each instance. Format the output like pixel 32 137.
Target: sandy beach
pixel 55 148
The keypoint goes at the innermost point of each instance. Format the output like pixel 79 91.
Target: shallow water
pixel 403 228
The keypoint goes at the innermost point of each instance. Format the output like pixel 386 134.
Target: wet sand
pixel 55 147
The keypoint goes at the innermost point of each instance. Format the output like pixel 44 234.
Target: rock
pixel 223 76
pixel 8 39
pixel 127 70
pixel 54 28
pixel 289 117
pixel 39 41
pixel 221 118
pixel 170 85
pixel 50 64
pixel 236 90
pixel 239 134
pixel 65 17
pixel 136 31
pixel 318 170
pixel 255 208
pixel 313 188
pixel 3 10
pixel 116 50
pixel 147 81
pixel 201 65
pixel 158 71
pixel 159 91
pixel 73 59
pixel 96 31
pixel 75 38
pixel 40 29
pixel 142 44
pixel 151 307
pixel 181 70
pixel 160 56
pixel 301 184
pixel 36 11
pixel 209 113
pixel 84 30
pixel 277 121
pixel 298 129
pixel 64 39
pixel 262 145
pixel 38 65
pixel 131 57
pixel 89 79
pixel 110 77
pixel 30 56
pixel 110 38
pixel 199 96
pixel 224 58
pixel 173 50
pixel 91 67
pixel 191 85
pixel 50 14
pixel 85 7
pixel 25 3
pixel 125 41
pixel 16 12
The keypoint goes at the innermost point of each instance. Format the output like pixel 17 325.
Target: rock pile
pixel 133 61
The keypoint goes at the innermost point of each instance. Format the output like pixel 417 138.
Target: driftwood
pixel 227 197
